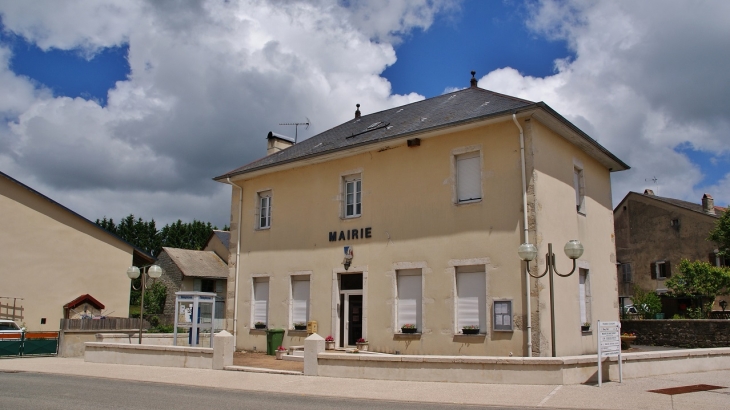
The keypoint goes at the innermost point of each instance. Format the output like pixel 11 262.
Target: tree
pixel 647 303
pixel 721 234
pixel 700 281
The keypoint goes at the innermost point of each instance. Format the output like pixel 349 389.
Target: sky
pixel 121 107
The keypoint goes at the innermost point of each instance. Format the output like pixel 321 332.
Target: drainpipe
pixel 238 259
pixel 526 235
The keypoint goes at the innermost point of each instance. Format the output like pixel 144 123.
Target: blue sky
pixel 136 98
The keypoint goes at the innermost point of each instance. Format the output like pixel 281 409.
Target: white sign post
pixel 609 344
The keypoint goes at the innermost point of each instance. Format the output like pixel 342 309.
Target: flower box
pixel 626 341
pixel 409 330
pixel 300 327
pixel 470 330
pixel 363 347
pixel 259 325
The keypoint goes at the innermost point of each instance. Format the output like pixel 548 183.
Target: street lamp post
pixel 133 272
pixel 528 252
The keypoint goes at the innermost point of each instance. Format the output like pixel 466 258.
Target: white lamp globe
pixel 527 252
pixel 154 271
pixel 573 249
pixel 133 272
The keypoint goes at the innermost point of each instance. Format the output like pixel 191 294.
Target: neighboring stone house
pixel 653 234
pixel 57 264
pixel 414 215
pixel 191 270
pixel 219 242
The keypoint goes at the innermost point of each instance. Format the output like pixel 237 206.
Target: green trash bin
pixel 274 339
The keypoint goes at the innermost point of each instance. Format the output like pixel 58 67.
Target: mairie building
pixel 402 227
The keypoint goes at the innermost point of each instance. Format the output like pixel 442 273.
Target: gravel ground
pixel 265 361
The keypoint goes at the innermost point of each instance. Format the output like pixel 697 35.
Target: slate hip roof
pixel 447 110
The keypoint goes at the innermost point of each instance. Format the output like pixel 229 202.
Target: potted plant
pixel 408 328
pixel 585 327
pixel 470 330
pixel 329 343
pixel 362 345
pixel 626 339
pixel 259 325
pixel 280 351
pixel 300 326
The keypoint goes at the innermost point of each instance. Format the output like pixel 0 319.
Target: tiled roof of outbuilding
pixel 451 109
pixel 199 264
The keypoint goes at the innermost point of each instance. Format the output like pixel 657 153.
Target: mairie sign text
pixel 350 234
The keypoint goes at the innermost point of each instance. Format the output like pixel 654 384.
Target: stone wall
pixel 679 333
pixel 172 279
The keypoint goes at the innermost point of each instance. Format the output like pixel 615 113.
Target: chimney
pixel 708 204
pixel 473 80
pixel 648 192
pixel 277 142
pixel 357 111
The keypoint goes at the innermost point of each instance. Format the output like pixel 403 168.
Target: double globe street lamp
pixel 133 272
pixel 528 252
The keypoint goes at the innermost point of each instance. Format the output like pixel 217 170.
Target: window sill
pixel 407 336
pixel 257 332
pixel 504 330
pixel 586 332
pixel 346 218
pixel 296 333
pixel 263 229
pixel 582 213
pixel 462 338
pixel 472 201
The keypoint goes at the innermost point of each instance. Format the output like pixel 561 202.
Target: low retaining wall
pixel 510 370
pixel 71 342
pixel 218 357
pixel 149 355
pixel 519 370
pixel 698 333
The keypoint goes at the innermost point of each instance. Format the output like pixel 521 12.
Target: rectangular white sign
pixel 609 345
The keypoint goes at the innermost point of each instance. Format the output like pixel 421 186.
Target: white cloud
pixel 208 80
pixel 646 77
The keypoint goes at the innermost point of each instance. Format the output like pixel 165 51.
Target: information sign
pixel 609 345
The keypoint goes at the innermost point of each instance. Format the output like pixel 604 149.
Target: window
pixel 579 185
pixel 627 275
pixel 471 297
pixel 260 300
pixel 204 285
pixel 409 297
pixel 264 210
pixel 353 195
pixel 718 260
pixel 502 319
pixel 468 177
pixel 660 270
pixel 300 299
pixel 584 295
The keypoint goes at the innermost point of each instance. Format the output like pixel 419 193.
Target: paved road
pixel 37 391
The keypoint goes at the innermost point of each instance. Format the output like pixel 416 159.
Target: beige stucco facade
pixel 51 256
pixel 409 205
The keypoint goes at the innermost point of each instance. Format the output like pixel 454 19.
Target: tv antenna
pixel 296 127
pixel 654 180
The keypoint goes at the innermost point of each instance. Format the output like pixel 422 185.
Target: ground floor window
pixel 260 300
pixel 300 299
pixel 409 298
pixel 471 298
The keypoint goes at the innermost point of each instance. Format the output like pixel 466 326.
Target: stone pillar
pixel 222 350
pixel 313 346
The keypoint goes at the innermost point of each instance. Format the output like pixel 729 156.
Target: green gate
pixel 29 344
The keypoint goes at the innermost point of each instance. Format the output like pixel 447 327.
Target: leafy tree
pixel 647 303
pixel 700 281
pixel 721 234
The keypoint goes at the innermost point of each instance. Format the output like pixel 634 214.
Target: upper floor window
pixel 264 210
pixel 660 270
pixel 579 185
pixel 353 195
pixel 468 177
pixel 627 275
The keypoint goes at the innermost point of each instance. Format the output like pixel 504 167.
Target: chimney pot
pixel 277 142
pixel 357 111
pixel 473 80
pixel 648 192
pixel 708 204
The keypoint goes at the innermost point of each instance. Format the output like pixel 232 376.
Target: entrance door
pixel 350 317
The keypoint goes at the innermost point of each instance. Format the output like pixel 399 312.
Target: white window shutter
pixel 409 300
pixel 300 301
pixel 468 177
pixel 261 301
pixel 471 299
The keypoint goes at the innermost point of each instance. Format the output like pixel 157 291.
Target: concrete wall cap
pixel 125 346
pixel 314 336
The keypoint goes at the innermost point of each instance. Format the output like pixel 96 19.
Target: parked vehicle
pixel 630 309
pixel 8 326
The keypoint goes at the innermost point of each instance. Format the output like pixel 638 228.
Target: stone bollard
pixel 222 350
pixel 313 346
